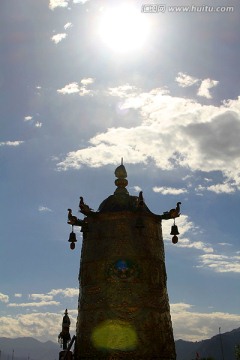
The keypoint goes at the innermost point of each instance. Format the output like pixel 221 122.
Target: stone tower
pixel 123 302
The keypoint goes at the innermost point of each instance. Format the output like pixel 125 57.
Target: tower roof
pixel 121 200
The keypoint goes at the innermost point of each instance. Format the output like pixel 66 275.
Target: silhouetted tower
pixel 64 338
pixel 124 308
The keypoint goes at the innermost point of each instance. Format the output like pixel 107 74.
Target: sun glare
pixel 123 28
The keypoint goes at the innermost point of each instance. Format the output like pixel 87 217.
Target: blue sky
pixel 84 83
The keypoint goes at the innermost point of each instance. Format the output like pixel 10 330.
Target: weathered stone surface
pixel 123 279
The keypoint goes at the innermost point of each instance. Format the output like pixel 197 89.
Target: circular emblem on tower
pixel 123 269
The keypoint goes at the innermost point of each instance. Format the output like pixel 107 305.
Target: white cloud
pixel 185 80
pixel 87 81
pixel 68 25
pixel 58 3
pixel 18 295
pixel 187 324
pixel 168 190
pixel 137 188
pixel 83 91
pixel 42 297
pixel 69 89
pixel 34 304
pixel 197 245
pixel 80 1
pixel 210 259
pixel 41 326
pixel 11 143
pixel 184 227
pixel 136 100
pixel 68 292
pixel 44 209
pixel 4 298
pixel 38 124
pixel 58 37
pixel 205 86
pixel 150 140
pixel 222 188
pixel 195 326
pixel 28 118
pixel 74 87
pixel 221 263
pixel 122 91
pixel 215 145
pixel 232 104
pixel 189 134
pixel 107 153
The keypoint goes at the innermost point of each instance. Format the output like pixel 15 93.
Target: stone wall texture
pixel 123 302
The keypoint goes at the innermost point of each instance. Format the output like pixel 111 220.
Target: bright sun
pixel 123 28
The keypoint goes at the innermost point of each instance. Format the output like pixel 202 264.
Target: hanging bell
pixel 174 239
pixel 72 239
pixel 174 230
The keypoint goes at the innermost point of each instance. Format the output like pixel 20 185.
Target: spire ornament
pixel 121 181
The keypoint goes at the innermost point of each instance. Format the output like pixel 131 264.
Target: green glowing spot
pixel 114 335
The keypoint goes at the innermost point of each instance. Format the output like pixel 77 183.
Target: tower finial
pixel 121 181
